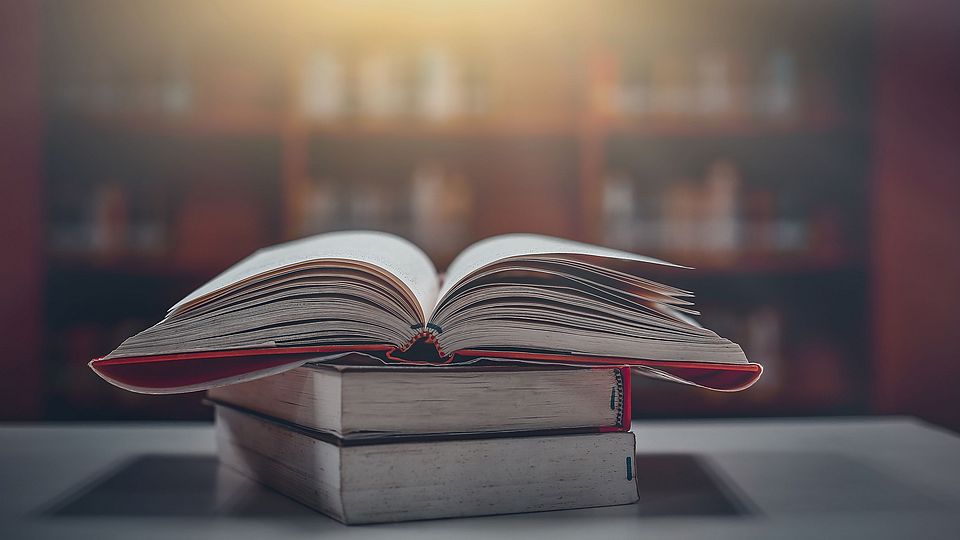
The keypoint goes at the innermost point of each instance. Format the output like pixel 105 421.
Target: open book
pixel 512 298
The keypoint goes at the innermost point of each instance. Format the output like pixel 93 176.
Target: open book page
pixel 514 245
pixel 536 293
pixel 393 255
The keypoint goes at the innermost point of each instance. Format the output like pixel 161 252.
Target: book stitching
pixel 618 389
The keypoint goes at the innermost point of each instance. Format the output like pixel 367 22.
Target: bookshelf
pixel 170 159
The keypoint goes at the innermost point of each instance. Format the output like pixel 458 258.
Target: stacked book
pixel 349 374
pixel 369 444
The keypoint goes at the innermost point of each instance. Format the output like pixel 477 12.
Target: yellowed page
pixel 518 245
pixel 390 254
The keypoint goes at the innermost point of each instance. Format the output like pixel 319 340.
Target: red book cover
pixel 186 372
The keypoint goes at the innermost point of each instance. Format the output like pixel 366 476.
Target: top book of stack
pixel 509 299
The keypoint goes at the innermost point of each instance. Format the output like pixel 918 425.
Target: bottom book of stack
pixel 358 476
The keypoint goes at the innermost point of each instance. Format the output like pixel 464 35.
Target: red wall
pixel 916 229
pixel 21 271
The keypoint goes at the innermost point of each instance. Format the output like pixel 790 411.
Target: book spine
pixel 622 399
pixel 627 417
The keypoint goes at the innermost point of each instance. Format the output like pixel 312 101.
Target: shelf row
pixel 266 124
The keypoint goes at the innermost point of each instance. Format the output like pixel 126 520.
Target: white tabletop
pixel 831 478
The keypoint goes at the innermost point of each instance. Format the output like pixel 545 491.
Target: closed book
pixel 430 478
pixel 368 402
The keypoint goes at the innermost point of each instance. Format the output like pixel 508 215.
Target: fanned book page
pixel 512 298
pixel 393 257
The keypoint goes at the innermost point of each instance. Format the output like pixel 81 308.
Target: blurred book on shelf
pixel 441 204
pixel 121 223
pixel 710 85
pixel 721 220
pixel 432 83
pixel 434 206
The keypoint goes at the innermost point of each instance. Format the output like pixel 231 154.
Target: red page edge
pixel 109 368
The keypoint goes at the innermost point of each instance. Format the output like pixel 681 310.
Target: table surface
pixel 801 478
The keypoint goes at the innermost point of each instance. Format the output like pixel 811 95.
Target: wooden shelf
pixel 262 123
pixel 753 265
pixel 722 126
pixel 222 124
pixel 153 266
pixel 267 124
pixel 477 127
pixel 160 265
